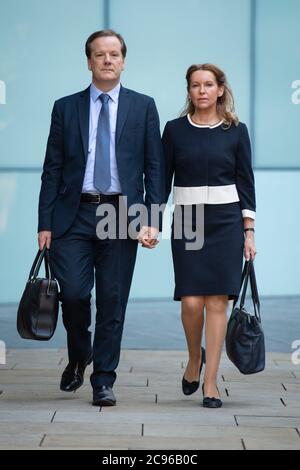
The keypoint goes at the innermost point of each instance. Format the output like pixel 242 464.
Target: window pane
pixel 277 104
pixel 41 59
pixel 165 37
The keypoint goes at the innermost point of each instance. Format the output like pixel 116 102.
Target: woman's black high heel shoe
pixel 211 402
pixel 191 387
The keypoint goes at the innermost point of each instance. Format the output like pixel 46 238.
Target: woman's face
pixel 204 90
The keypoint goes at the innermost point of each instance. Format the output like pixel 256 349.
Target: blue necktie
pixel 102 175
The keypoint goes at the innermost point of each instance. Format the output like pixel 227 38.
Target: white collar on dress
pixel 203 125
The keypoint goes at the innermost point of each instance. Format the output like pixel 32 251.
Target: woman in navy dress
pixel 208 153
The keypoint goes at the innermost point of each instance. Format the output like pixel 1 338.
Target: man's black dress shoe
pixel 211 402
pixel 103 396
pixel 191 387
pixel 73 375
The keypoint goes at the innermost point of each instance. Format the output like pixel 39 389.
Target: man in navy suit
pixel 104 144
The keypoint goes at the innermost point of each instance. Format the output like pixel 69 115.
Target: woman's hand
pixel 249 248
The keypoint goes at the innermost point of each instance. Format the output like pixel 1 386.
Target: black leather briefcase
pixel 245 342
pixel 38 308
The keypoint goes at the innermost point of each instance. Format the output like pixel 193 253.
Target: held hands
pixel 148 237
pixel 44 238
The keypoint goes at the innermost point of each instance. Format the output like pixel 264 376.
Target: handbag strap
pixel 245 269
pixel 254 290
pixel 249 273
pixel 244 282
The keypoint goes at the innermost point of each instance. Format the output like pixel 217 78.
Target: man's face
pixel 106 61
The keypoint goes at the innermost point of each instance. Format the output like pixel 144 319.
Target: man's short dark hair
pixel 101 34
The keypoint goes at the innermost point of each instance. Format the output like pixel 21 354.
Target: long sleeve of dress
pixel 244 174
pixel 169 160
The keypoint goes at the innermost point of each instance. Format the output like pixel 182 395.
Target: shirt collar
pixel 113 94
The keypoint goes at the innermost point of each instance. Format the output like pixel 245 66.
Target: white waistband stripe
pixel 205 194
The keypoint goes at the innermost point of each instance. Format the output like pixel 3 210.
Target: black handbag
pixel 245 342
pixel 38 308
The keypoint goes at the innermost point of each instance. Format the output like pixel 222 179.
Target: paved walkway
pixel 259 412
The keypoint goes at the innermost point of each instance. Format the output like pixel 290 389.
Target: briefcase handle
pixel 248 272
pixel 40 256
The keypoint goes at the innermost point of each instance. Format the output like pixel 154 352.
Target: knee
pixel 76 310
pixel 109 295
pixel 75 289
pixel 69 296
pixel 216 303
pixel 192 305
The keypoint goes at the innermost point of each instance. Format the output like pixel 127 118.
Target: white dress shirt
pixel 95 108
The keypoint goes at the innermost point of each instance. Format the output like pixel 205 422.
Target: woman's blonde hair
pixel 225 103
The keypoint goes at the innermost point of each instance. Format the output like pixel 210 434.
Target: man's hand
pixel 148 237
pixel 44 238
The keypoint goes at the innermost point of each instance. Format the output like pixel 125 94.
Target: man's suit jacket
pixel 139 156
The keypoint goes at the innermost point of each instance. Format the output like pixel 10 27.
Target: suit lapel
pixel 84 118
pixel 123 108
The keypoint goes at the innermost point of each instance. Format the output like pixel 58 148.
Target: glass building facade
pixel 255 41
